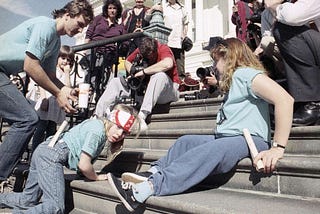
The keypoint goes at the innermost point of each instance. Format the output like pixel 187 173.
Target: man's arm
pixel 295 14
pixel 161 66
pixel 33 68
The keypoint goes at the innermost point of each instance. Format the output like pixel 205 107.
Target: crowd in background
pixel 278 43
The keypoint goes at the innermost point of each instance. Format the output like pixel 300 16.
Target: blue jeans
pixel 45 129
pixel 18 112
pixel 45 181
pixel 193 157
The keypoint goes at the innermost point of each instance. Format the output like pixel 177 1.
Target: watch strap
pixel 275 144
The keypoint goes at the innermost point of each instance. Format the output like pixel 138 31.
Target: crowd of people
pixel 154 73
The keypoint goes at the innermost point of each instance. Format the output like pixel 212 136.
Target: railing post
pixel 157 28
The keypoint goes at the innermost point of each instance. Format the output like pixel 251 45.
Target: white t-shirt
pixel 299 13
pixel 175 17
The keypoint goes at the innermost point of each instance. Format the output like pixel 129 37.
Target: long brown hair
pixel 236 54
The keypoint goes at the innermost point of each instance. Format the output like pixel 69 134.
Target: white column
pixel 199 20
pixel 188 8
pixel 232 27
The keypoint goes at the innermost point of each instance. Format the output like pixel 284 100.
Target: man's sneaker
pixel 124 191
pixel 136 177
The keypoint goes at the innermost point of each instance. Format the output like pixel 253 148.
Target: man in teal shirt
pixel 33 47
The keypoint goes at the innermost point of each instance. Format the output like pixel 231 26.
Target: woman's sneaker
pixel 124 191
pixel 136 177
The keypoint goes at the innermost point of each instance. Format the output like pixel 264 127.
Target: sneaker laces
pixel 3 186
pixel 313 105
pixel 126 185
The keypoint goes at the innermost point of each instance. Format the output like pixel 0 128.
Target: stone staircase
pixel 293 188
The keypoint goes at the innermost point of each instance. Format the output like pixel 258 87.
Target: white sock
pixel 153 170
pixel 142 191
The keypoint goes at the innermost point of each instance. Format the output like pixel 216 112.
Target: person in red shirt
pixel 153 65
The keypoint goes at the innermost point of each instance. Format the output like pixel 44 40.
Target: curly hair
pixel 75 8
pixel 236 54
pixel 116 3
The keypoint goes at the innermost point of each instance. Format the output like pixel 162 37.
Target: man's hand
pixel 235 8
pixel 157 7
pixel 269 158
pixel 64 96
pixel 272 4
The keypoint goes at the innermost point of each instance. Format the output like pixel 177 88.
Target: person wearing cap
pixel 76 149
pixel 213 42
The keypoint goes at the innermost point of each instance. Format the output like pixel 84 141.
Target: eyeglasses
pixel 221 113
pixel 222 116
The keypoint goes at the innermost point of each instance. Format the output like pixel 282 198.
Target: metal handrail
pixel 115 39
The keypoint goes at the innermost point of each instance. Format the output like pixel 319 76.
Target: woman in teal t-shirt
pixel 76 149
pixel 248 90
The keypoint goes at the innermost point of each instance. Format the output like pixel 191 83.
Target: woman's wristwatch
pixel 276 145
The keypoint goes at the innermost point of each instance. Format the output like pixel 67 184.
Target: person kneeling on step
pixel 76 149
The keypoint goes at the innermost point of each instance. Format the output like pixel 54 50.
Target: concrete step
pixel 210 104
pixel 302 141
pixel 295 175
pixel 80 211
pixel 293 188
pixel 183 120
pixel 98 197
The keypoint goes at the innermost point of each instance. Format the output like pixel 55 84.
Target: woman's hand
pixel 269 158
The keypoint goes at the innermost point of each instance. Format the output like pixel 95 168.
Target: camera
pixel 202 73
pixel 135 82
pixel 194 96
pixel 132 82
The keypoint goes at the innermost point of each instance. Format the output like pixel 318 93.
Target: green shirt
pixel 243 109
pixel 89 137
pixel 38 36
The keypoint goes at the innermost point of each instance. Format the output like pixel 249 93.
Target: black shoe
pixel 307 115
pixel 136 177
pixel 124 192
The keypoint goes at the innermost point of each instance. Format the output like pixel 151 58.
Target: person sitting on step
pixel 248 92
pixel 152 65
